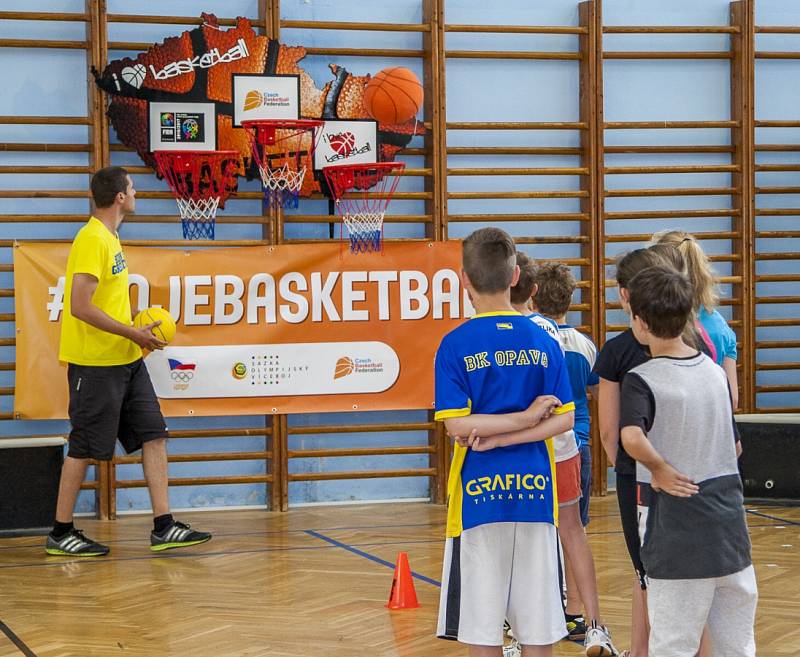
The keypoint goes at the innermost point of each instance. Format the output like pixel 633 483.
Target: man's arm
pixel 608 414
pixel 552 426
pixel 84 309
pixel 665 477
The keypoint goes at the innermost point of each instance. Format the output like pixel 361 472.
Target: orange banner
pixel 261 330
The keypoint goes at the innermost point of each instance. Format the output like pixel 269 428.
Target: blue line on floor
pixel 367 555
pixel 50 562
pixel 784 521
pixel 235 552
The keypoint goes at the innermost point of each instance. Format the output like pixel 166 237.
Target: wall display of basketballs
pixel 206 64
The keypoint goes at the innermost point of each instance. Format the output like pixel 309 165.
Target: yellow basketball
pixel 164 331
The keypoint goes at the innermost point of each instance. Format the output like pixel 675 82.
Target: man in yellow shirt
pixel 110 392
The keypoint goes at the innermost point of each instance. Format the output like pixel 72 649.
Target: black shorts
pixel 629 515
pixel 110 402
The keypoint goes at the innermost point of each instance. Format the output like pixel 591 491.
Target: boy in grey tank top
pixel 676 421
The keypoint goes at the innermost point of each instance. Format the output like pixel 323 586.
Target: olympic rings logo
pixel 181 375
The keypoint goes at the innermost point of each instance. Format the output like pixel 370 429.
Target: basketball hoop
pixel 362 211
pixel 201 181
pixel 283 150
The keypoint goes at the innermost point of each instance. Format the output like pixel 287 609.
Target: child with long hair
pixel 617 357
pixel 706 300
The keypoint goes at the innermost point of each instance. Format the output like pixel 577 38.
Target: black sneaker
pixel 74 544
pixel 178 534
pixel 576 628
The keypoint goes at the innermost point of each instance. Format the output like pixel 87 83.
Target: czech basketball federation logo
pixel 344 367
pixel 252 100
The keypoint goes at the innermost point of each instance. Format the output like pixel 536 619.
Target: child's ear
pixel 640 323
pixel 623 292
pixel 534 290
pixel 465 280
pixel 515 277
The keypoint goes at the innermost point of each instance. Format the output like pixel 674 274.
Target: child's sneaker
pixel 74 544
pixel 576 628
pixel 598 642
pixel 178 534
pixel 507 629
pixel 513 649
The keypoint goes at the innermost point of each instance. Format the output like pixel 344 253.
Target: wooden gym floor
pixel 313 581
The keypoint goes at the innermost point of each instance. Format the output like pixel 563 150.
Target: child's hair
pixel 698 267
pixel 489 260
pixel 556 285
pixel 521 292
pixel 631 263
pixel 659 255
pixel 663 299
pixel 671 257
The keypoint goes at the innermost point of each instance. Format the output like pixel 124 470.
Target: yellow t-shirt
pixel 97 251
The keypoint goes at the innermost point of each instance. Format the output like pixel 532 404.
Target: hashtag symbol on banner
pixel 56 303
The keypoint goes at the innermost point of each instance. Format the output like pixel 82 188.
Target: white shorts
pixel 498 571
pixel 680 608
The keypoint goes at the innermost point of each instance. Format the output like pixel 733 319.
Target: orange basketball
pixel 394 95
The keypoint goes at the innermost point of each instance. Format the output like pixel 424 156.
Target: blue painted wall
pixel 53 82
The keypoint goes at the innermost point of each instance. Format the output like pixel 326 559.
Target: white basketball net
pixel 201 209
pixel 363 222
pixel 364 230
pixel 198 217
pixel 282 178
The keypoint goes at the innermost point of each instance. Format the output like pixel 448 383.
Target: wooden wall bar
pixel 739 233
pixel 773 335
pixel 592 229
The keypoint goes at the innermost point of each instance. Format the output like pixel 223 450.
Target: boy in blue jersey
pixel 503 390
pixel 554 286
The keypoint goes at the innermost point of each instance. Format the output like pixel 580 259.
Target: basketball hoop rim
pixel 169 153
pixel 284 124
pixel 341 183
pixel 381 166
pixel 167 168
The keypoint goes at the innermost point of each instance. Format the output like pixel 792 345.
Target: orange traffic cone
pixel 403 595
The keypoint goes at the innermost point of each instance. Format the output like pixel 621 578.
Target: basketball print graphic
pixel 252 100
pixel 342 143
pixel 161 75
pixel 344 367
pixel 134 75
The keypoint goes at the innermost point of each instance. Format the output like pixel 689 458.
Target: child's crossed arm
pixel 538 422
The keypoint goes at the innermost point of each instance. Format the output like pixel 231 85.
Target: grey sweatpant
pixel 679 608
